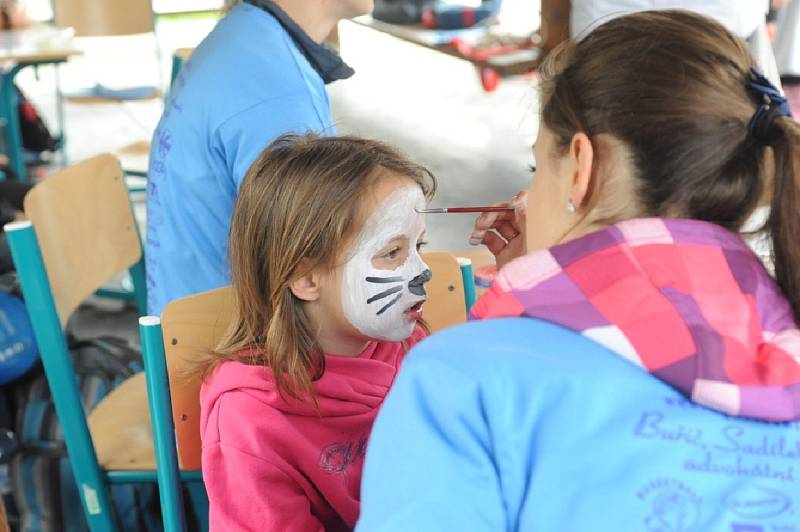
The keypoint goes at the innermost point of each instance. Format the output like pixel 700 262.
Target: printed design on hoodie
pixel 337 457
pixel 674 506
pixel 685 300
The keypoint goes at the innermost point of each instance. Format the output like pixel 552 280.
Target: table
pixel 20 49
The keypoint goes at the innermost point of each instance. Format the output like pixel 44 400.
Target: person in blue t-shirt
pixel 261 72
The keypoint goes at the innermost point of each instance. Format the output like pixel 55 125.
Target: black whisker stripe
pixel 385 293
pixel 389 304
pixel 384 279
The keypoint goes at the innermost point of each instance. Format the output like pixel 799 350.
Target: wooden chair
pixel 81 232
pixel 107 18
pixel 110 18
pixel 191 327
pixel 446 304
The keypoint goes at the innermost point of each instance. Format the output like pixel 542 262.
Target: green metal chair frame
pixel 92 480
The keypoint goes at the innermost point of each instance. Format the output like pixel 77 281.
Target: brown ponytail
pixel 673 86
pixel 784 220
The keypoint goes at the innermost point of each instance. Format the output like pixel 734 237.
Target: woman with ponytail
pixel 634 366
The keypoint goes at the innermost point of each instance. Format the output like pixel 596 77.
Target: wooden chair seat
pixel 86 97
pixel 134 157
pixel 121 429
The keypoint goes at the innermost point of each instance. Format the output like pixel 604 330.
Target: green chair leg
pixel 16 154
pixel 199 500
pixel 468 276
pixel 60 375
pixel 177 64
pixel 137 273
pixel 158 398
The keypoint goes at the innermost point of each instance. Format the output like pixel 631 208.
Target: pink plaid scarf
pixel 684 300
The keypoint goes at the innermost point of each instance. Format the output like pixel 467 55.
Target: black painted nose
pixel 416 285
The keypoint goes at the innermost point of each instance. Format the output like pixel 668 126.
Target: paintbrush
pixel 445 210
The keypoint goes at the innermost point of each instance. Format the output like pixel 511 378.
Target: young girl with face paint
pixel 324 256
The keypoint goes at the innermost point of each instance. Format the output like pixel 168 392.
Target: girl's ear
pixel 305 286
pixel 581 151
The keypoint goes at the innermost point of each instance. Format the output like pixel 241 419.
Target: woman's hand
pixel 503 232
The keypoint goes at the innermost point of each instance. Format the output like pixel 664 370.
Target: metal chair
pixel 107 18
pixel 192 326
pixel 80 233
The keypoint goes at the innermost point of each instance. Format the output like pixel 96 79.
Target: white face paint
pixel 375 300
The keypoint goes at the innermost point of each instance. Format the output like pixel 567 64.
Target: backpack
pixel 42 483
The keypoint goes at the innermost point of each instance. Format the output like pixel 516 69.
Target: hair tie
pixel 773 105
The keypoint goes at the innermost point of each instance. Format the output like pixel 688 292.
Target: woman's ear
pixel 305 285
pixel 581 152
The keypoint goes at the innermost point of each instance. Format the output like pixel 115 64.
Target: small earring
pixel 570 206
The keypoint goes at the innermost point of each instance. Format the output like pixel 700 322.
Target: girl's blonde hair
pixel 297 209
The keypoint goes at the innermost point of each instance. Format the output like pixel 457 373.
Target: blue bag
pixel 18 351
pixel 41 478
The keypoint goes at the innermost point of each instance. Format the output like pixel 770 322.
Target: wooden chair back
pixel 192 326
pixel 98 18
pixel 445 305
pixel 85 227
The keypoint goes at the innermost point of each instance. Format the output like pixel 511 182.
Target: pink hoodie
pixel 275 464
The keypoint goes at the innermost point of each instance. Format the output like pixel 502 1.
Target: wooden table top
pixel 512 63
pixel 36 45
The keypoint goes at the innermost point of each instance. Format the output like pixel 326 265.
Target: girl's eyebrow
pixel 391 241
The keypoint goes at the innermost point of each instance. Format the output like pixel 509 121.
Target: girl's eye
pixel 421 244
pixel 392 254
pixel 532 168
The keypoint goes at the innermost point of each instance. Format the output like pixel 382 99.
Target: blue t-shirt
pixel 517 424
pixel 244 85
